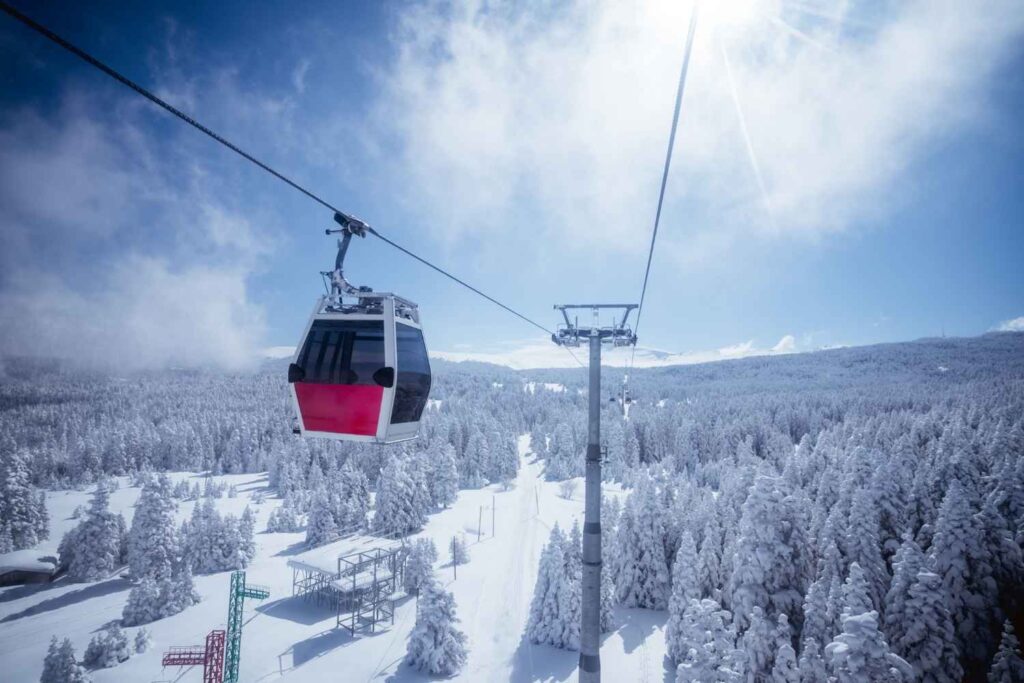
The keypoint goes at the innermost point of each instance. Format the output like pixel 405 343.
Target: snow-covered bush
pixel 567 488
pixel 435 645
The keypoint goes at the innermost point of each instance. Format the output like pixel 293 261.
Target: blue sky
pixel 845 172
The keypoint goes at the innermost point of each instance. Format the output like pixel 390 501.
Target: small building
pixel 26 566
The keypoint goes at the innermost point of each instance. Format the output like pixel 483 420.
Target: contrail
pixel 746 137
pixel 790 29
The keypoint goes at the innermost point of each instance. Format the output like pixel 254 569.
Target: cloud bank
pixel 542 353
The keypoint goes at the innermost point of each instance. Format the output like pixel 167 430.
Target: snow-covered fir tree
pixel 435 644
pixel 685 587
pixel 419 565
pixel 321 526
pixel 153 541
pixel 444 482
pixel 92 550
pixel 247 532
pixel 399 509
pixel 812 666
pixel 928 642
pixel 1007 665
pixel 24 517
pixel 555 607
pixel 907 562
pixel 142 641
pixel 60 665
pixel 860 653
pixel 764 573
pixel 711 653
pixel 785 669
pixel 642 577
pixel 964 567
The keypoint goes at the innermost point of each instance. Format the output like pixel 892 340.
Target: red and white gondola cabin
pixel 361 373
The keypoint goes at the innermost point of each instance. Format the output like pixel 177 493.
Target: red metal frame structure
pixel 210 657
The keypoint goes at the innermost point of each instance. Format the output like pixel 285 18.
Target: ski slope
pixel 286 639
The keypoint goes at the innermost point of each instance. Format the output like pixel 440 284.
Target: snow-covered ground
pixel 286 639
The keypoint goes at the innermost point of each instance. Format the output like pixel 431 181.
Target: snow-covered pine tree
pixel 6 541
pixel 143 605
pixel 642 577
pixel 817 621
pixel 18 500
pixel 709 560
pixel 320 527
pixel 685 587
pixel 1007 665
pixel 928 642
pixel 444 481
pixel 860 653
pixel 152 540
pixel 785 669
pixel 907 562
pixel 60 665
pixel 435 644
pixel 419 566
pixel 812 666
pixel 764 574
pixel 399 509
pixel 960 559
pixel 864 547
pixel 711 654
pixel 247 532
pixel 555 607
pixel 143 641
pixel 42 517
pixel 94 545
pixel 759 646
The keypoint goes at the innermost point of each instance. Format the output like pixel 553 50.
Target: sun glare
pixel 730 13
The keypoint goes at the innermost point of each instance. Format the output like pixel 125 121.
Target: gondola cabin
pixel 361 372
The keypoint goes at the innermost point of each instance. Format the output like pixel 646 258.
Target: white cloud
pixel 108 260
pixel 542 353
pixel 786 345
pixel 1015 325
pixel 565 109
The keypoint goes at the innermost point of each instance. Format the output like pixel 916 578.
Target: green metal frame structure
pixel 236 604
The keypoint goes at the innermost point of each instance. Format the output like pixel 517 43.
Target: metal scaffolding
pixel 210 657
pixel 359 586
pixel 236 603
